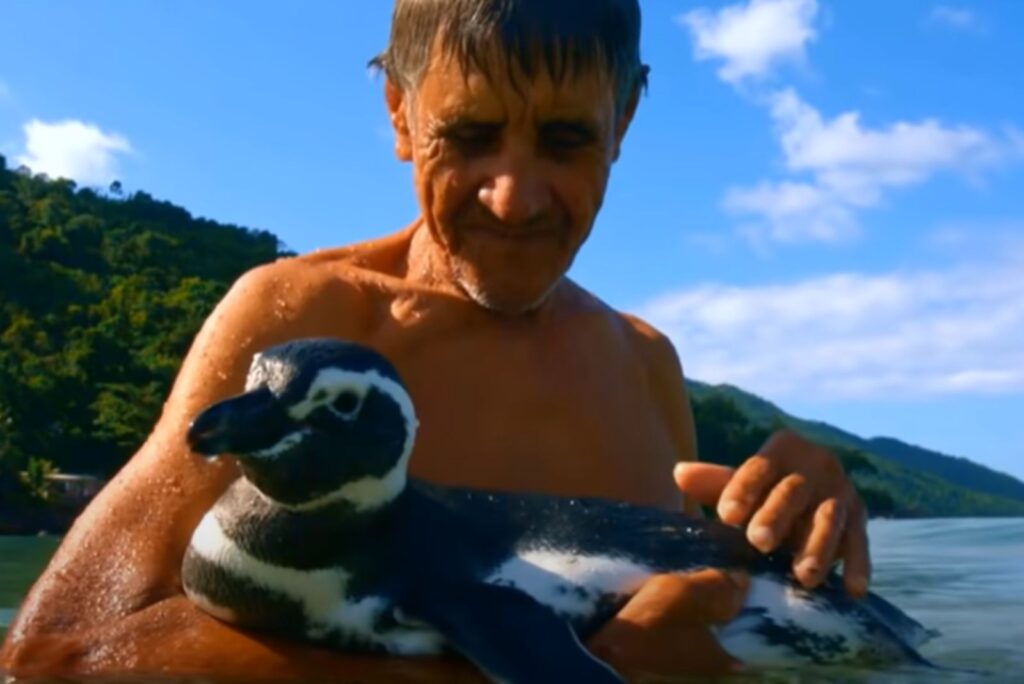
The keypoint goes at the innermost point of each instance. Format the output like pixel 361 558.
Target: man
pixel 512 114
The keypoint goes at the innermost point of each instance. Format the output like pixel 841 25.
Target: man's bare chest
pixel 560 418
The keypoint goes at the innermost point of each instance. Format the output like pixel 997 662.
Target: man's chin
pixel 506 303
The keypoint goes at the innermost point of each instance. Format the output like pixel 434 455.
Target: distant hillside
pixel 100 297
pixel 950 468
pixel 929 482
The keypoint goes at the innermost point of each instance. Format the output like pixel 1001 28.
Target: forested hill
pixel 101 294
pixel 910 479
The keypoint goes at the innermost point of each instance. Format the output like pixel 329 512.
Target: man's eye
pixel 473 137
pixel 565 137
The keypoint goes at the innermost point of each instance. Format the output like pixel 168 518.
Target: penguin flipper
pixel 506 633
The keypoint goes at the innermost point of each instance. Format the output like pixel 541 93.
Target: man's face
pixel 509 180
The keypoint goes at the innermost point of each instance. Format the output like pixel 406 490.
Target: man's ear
pixel 398 111
pixel 625 118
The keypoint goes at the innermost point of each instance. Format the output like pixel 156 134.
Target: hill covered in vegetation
pixel 101 294
pixel 895 479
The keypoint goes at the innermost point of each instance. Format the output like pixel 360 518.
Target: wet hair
pixel 565 37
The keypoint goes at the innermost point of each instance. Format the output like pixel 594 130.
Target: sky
pixel 819 201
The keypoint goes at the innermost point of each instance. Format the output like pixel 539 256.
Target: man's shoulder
pixel 658 353
pixel 652 344
pixel 382 254
pixel 335 272
pixel 646 334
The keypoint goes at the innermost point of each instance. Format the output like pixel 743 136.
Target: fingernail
pixel 761 537
pixel 728 510
pixel 808 568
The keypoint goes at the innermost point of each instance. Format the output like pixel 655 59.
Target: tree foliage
pixel 100 297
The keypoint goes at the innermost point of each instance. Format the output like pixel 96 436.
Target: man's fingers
pixel 715 596
pixel 811 563
pixel 773 522
pixel 746 489
pixel 856 556
pixel 704 597
pixel 665 628
pixel 702 482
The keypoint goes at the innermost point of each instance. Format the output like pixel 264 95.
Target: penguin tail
pixel 909 630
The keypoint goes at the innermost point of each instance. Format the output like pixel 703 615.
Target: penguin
pixel 325 538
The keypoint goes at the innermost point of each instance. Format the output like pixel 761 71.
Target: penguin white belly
pixel 781 624
pixel 572 585
pixel 329 613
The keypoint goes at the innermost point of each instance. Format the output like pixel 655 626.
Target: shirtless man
pixel 523 380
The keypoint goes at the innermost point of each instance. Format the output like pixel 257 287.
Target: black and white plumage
pixel 324 538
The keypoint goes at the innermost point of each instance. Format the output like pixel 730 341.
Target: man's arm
pixel 110 599
pixel 122 555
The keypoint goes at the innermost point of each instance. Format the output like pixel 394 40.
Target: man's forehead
pixel 455 89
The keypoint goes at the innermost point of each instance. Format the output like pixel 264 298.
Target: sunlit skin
pixel 522 381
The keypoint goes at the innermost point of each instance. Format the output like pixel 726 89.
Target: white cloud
pixel 977 237
pixel 792 212
pixel 955 17
pixel 72 149
pixel 899 154
pixel 909 334
pixel 752 38
pixel 848 167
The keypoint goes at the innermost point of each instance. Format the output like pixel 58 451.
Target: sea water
pixel 963 577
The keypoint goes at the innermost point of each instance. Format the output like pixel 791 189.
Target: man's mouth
pixel 524 235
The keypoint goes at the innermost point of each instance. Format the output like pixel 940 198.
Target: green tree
pixel 99 301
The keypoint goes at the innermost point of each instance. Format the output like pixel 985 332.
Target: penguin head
pixel 321 421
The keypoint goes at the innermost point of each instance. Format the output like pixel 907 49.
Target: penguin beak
pixel 240 425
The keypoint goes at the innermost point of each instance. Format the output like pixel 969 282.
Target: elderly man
pixel 512 113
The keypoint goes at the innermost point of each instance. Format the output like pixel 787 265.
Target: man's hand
pixel 790 491
pixel 665 628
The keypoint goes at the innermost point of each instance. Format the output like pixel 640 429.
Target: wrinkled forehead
pixel 534 67
pixel 494 89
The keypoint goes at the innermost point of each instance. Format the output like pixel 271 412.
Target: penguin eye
pixel 346 403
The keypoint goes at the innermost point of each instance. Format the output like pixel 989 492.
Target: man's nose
pixel 515 191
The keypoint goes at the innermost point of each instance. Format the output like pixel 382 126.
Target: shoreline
pixel 55 521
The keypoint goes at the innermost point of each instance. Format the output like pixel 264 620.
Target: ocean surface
pixel 962 577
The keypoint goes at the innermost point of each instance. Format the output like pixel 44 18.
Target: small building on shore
pixel 72 489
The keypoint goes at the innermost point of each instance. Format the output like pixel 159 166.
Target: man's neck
pixel 426 262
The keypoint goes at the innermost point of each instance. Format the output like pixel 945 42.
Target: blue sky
pixel 819 201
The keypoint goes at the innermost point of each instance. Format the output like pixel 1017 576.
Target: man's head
pixel 512 112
